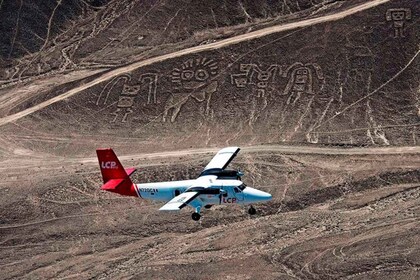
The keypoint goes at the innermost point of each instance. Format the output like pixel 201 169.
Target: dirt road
pixel 28 162
pixel 277 149
pixel 196 49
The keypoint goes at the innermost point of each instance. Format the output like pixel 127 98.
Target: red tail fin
pixel 116 178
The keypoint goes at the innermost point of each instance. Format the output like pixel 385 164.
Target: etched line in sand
pixel 371 93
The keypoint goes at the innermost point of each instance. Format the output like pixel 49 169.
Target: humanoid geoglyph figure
pixel 301 80
pixel 398 17
pixel 129 92
pixel 126 102
pixel 252 74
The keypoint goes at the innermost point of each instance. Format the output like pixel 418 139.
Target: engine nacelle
pixel 223 174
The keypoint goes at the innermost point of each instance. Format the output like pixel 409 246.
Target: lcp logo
pixel 109 165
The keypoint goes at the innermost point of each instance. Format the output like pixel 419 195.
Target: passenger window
pixel 236 190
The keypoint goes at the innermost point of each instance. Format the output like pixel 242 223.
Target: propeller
pixel 239 174
pixel 221 193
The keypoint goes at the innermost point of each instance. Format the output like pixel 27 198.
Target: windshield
pixel 242 187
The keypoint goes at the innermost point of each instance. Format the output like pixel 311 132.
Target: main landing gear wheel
pixel 252 211
pixel 195 216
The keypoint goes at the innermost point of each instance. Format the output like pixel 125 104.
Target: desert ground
pixel 337 213
pixel 322 96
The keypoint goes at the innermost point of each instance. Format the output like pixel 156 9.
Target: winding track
pixel 196 49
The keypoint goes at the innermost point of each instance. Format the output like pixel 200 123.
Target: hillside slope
pixel 349 81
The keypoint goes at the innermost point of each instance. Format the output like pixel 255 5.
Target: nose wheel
pixel 195 216
pixel 252 210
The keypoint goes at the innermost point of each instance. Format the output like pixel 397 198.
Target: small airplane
pixel 215 185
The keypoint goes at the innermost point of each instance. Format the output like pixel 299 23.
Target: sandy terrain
pixel 333 213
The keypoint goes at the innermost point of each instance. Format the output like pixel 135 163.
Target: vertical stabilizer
pixel 116 178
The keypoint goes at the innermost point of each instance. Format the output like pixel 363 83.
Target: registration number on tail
pixel 148 190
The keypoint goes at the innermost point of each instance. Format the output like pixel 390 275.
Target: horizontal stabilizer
pixel 112 184
pixel 130 171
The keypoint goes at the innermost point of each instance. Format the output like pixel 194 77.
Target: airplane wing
pixel 222 159
pixel 179 201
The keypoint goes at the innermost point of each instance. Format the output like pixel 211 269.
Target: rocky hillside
pixel 44 36
pixel 351 81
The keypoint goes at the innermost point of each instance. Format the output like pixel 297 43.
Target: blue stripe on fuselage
pixel 162 191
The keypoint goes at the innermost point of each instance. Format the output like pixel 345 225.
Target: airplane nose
pixel 254 195
pixel 265 196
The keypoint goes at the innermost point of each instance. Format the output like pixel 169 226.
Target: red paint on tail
pixel 116 178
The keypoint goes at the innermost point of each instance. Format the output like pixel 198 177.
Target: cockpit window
pixel 236 190
pixel 242 187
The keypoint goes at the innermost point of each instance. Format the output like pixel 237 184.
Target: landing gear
pixel 252 211
pixel 195 216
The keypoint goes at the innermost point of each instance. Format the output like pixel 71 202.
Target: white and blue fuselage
pixel 233 191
